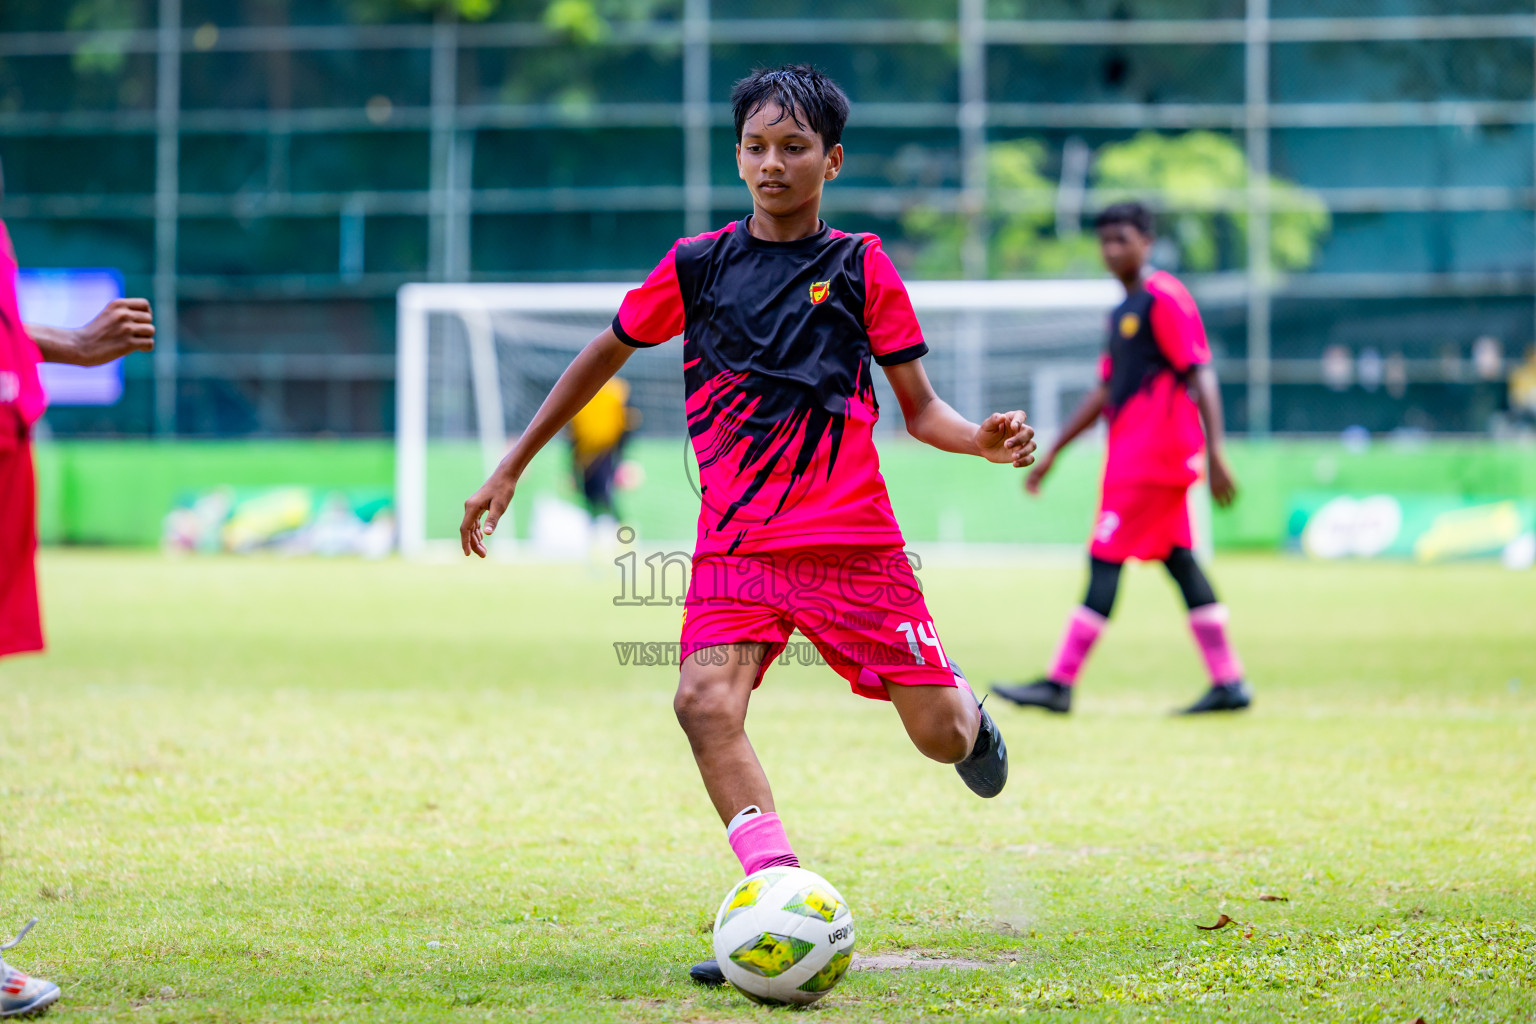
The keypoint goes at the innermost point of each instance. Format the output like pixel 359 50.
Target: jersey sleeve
pixel 1176 324
pixel 894 334
pixel 654 312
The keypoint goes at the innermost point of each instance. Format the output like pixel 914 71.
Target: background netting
pixel 487 369
pixel 977 362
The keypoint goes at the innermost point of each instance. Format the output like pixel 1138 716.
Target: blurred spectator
pixel 1338 369
pixel 1487 358
pixel 1522 388
pixel 1371 371
pixel 1395 375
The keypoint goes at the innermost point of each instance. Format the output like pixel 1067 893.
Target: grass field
pixel 306 791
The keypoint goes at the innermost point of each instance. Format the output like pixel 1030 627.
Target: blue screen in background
pixel 72 298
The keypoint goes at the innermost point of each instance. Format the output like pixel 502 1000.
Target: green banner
pixel 119 491
pixel 284 520
pixel 1420 527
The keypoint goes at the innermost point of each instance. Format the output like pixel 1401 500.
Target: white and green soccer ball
pixel 784 935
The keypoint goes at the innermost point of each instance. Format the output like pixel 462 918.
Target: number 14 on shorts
pixel 925 634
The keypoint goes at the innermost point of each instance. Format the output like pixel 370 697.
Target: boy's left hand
pixel 1223 483
pixel 1005 437
pixel 126 325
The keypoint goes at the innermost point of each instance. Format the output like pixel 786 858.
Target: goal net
pixel 475 361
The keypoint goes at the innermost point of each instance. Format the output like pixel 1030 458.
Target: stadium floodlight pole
pixel 973 136
pixel 696 205
pixel 167 213
pixel 1259 276
pixel 443 241
pixel 970 344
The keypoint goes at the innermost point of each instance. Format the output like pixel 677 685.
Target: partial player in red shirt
pixel 781 317
pixel 1156 387
pixel 124 326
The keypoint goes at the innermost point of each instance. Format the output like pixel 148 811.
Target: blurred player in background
pixel 124 326
pixel 1156 387
pixel 598 433
pixel 781 317
pixel 1522 389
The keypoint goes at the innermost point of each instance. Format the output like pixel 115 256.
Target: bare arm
pixel 1002 437
pixel 588 372
pixel 1084 416
pixel 124 326
pixel 1208 397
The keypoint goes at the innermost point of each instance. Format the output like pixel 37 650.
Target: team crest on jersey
pixel 1129 325
pixel 819 291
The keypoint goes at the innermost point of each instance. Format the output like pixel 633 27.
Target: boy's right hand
pixel 491 501
pixel 1042 466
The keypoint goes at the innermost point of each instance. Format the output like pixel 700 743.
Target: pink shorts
pixel 21 626
pixel 1142 521
pixel 861 609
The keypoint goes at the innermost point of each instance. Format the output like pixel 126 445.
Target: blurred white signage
pixel 72 298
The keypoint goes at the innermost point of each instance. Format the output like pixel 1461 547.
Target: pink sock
pixel 1209 624
pixel 1083 628
pixel 760 842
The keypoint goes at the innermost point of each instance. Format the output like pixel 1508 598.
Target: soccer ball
pixel 784 935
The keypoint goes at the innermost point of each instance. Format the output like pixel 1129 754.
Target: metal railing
pixel 449 202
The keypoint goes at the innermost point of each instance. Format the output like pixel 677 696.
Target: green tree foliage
pixel 1100 10
pixel 1020 216
pixel 583 22
pixel 1198 174
pixel 1198 177
pixel 102 55
pixel 386 10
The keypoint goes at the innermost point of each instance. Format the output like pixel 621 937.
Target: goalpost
pixel 475 360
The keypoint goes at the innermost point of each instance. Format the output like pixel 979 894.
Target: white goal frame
pixel 475 303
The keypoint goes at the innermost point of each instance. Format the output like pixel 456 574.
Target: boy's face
pixel 1124 249
pixel 782 163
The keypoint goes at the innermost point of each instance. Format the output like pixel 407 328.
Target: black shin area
pixel 1187 574
pixel 1103 585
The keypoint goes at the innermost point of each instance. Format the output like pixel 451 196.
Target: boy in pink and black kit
pixel 781 317
pixel 1156 387
pixel 125 326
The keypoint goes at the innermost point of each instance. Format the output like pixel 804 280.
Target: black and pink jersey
pixel 1156 339
pixel 20 387
pixel 777 340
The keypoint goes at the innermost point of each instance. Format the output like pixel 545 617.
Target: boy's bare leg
pixel 711 706
pixel 947 724
pixel 941 720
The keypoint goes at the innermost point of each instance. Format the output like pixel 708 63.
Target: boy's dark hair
pixel 807 96
pixel 1134 214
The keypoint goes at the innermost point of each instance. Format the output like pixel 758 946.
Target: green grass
pixel 257 790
